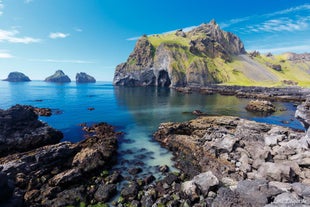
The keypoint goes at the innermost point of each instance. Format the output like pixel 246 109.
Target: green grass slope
pixel 242 70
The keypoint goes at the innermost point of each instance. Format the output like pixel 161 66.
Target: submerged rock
pixel 17 77
pixel 261 106
pixel 84 78
pixel 20 130
pixel 58 77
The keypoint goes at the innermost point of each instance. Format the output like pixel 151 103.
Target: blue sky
pixel 38 37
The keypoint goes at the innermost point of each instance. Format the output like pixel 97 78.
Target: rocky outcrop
pixel 20 130
pixel 171 63
pixel 303 115
pixel 17 77
pixel 84 78
pixel 265 107
pixel 62 174
pixel 255 164
pixel 58 77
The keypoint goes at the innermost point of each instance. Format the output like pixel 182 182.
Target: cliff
pixel 84 78
pixel 58 77
pixel 207 55
pixel 17 77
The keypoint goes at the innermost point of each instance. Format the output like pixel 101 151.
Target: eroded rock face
pixel 17 77
pixel 20 130
pixel 171 64
pixel 61 174
pixel 84 78
pixel 58 77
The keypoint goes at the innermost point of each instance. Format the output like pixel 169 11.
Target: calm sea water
pixel 135 111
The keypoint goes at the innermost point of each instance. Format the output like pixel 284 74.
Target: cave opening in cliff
pixel 163 79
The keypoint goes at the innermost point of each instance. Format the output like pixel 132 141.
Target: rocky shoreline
pixel 283 94
pixel 223 161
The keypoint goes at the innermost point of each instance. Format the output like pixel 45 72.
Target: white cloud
pixel 279 25
pixel 133 38
pixel 57 35
pixel 62 61
pixel 5 55
pixel 10 36
pixel 305 7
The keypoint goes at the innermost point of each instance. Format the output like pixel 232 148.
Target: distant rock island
pixel 17 77
pixel 58 77
pixel 84 78
pixel 207 55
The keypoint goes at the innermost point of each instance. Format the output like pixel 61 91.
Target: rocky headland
pixel 84 78
pixel 207 55
pixel 58 77
pixel 17 77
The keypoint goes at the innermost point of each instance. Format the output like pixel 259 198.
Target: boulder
pixel 203 181
pixel 260 106
pixel 17 77
pixel 84 78
pixel 303 115
pixel 105 192
pixel 20 130
pixel 58 77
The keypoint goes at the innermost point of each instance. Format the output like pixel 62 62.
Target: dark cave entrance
pixel 163 79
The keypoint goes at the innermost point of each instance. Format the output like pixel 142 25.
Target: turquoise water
pixel 135 111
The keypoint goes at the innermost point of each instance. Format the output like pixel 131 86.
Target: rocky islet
pixel 17 77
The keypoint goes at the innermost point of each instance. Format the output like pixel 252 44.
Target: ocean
pixel 135 111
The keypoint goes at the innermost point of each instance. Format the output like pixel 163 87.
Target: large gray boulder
pixel 17 77
pixel 84 78
pixel 58 77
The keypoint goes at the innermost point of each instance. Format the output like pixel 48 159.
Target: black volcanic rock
pixel 58 77
pixel 17 77
pixel 20 130
pixel 84 78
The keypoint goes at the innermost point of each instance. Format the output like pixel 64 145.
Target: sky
pixel 38 37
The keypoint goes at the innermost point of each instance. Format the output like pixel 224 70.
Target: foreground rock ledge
pixel 20 130
pixel 255 163
pixel 61 174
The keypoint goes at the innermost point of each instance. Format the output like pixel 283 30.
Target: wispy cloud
pixel 133 38
pixel 304 7
pixel 279 25
pixel 62 61
pixel 57 35
pixel 11 36
pixel 5 55
pixel 1 7
pixel 77 29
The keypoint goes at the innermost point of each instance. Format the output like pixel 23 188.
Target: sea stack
pixel 84 78
pixel 58 77
pixel 17 77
